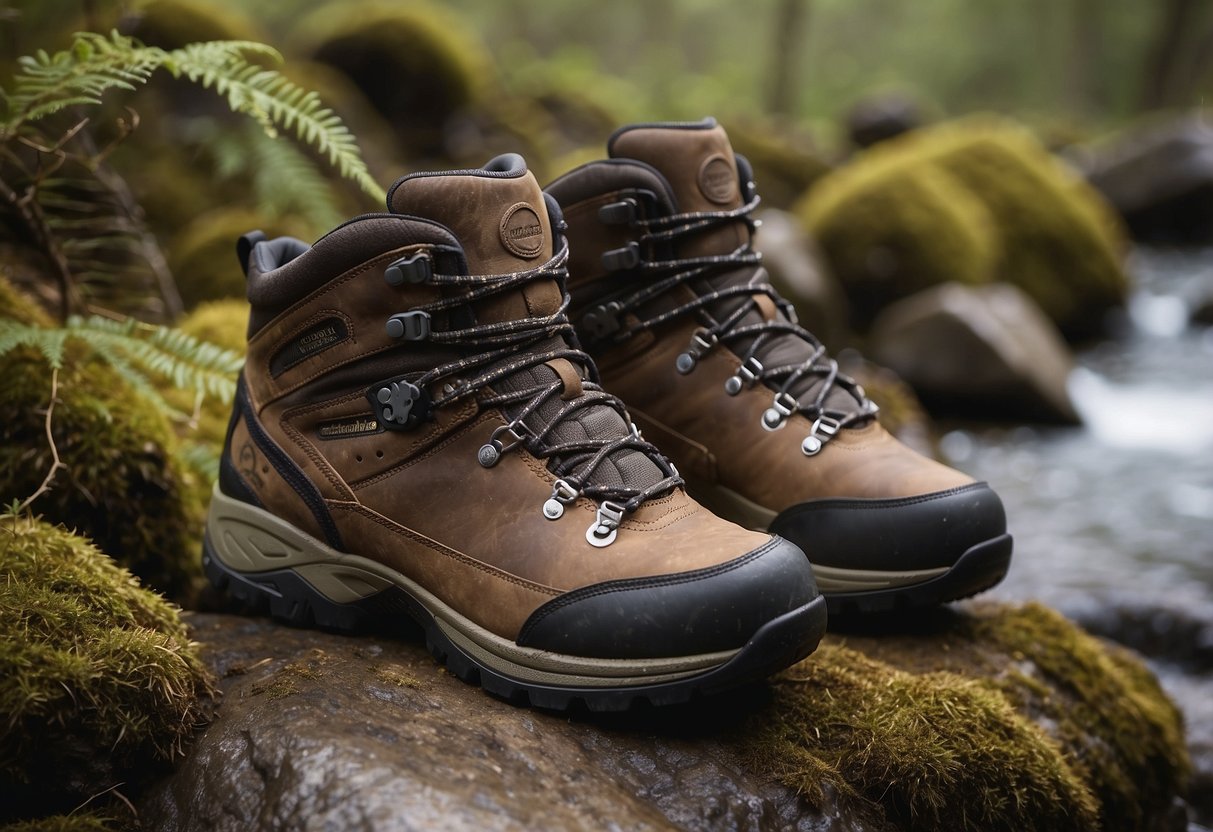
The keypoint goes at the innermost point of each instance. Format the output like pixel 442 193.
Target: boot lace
pixel 497 351
pixel 819 372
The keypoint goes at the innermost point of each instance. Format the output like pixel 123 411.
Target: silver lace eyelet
pixel 775 416
pixel 605 528
pixel 490 452
pixel 562 493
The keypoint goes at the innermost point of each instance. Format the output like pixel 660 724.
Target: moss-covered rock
pixel 66 823
pixel 992 718
pixel 122 484
pixel 19 306
pixel 889 227
pixel 417 63
pixel 99 680
pixel 1061 243
pixel 983 717
pixel 1046 231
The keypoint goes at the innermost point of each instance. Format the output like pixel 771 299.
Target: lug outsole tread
pixel 780 643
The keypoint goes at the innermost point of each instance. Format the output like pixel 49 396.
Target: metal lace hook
pixel 823 430
pixel 701 341
pixel 562 495
pixel 490 452
pixel 775 416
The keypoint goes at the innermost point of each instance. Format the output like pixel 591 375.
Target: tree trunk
pixel 788 38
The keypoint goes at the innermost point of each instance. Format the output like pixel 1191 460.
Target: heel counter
pixel 231 482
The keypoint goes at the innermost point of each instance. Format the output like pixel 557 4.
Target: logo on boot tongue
pixel 718 180
pixel 521 231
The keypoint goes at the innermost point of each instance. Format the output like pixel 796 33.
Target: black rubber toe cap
pixel 683 614
pixel 923 532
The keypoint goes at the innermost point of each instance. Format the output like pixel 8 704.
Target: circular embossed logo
pixel 718 180
pixel 521 231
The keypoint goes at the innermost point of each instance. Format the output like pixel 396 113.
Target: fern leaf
pixel 94 64
pixel 185 361
pixel 276 102
pixel 49 342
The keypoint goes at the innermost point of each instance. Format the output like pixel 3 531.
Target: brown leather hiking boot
pixel 416 435
pixel 673 303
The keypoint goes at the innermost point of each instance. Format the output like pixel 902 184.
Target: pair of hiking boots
pixel 431 425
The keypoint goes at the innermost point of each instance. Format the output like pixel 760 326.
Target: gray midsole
pixel 249 540
pixel 834 579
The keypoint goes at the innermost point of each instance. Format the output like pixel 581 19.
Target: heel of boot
pixel 283 595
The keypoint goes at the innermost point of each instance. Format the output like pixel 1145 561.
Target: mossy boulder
pixel 889 228
pixel 99 683
pixel 1048 232
pixel 171 24
pixel 417 63
pixel 995 718
pixel 122 483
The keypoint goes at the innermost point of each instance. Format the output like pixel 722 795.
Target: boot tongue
pixel 698 162
pixel 499 216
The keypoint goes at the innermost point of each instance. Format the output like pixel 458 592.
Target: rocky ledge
pixel 981 717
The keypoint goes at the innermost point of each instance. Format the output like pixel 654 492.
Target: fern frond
pixel 50 342
pixel 185 361
pixel 277 103
pixel 81 75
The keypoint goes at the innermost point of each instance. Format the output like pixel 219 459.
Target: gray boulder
pixel 799 273
pixel 984 351
pixel 1160 179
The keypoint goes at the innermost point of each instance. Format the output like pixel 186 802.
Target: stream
pixel 1113 521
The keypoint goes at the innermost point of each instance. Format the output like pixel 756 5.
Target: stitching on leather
pixel 300 329
pixel 317 459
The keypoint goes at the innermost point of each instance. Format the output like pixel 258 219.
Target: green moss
pixel 122 484
pixel 933 751
pixel 1126 736
pixel 100 679
pixel 989 718
pixel 171 24
pixel 1061 243
pixel 19 306
pixel 416 63
pixel 888 229
pixel 1046 230
pixel 66 823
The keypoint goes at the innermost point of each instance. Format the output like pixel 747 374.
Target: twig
pixel 57 463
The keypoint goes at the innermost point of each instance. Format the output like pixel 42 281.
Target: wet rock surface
pixel 321 731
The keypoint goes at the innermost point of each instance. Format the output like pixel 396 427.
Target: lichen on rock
pixel 100 681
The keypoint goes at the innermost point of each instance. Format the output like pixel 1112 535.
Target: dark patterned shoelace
pixel 503 350
pixel 818 373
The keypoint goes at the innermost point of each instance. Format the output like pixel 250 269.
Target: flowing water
pixel 1113 521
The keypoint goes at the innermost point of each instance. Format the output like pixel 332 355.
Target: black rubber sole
pixel 979 568
pixel 779 643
